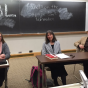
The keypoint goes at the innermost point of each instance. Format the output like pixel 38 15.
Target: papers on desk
pixel 62 56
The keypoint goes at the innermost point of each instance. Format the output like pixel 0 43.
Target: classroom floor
pixel 20 69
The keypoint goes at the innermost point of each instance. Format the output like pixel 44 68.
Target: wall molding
pixel 43 34
pixel 37 53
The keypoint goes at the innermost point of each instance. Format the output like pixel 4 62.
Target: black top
pixel 52 46
pixel 86 45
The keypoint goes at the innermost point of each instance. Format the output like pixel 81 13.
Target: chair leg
pixel 74 69
pixel 59 79
pixel 45 78
pixel 74 73
pixel 6 78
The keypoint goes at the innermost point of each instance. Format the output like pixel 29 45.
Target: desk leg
pixel 6 78
pixel 43 76
pixel 38 74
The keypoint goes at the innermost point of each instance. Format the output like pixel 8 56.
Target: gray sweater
pixel 47 48
pixel 5 50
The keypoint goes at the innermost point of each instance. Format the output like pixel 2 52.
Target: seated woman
pixel 4 54
pixel 52 46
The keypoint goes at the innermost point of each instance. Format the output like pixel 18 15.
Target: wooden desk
pixel 5 66
pixel 79 58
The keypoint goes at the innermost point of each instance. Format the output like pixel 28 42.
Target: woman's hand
pixel 81 46
pixel 2 56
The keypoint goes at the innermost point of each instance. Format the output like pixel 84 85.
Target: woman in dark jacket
pixel 4 54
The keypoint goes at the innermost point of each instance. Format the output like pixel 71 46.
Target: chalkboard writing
pixel 39 16
pixel 39 11
pixel 3 17
pixel 9 17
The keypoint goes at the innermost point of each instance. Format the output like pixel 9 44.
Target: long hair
pixel 47 40
pixel 2 39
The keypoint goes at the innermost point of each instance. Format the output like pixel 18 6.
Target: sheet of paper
pixel 62 56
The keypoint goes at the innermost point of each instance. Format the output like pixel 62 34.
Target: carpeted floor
pixel 20 69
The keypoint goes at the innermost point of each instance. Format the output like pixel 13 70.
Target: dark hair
pixel 47 40
pixel 2 39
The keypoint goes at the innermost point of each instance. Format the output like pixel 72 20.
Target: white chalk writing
pixel 44 19
pixel 64 14
pixel 4 20
pixel 6 11
pixel 7 22
pixel 39 12
pixel 1 13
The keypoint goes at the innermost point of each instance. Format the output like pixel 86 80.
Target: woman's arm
pixel 77 43
pixel 57 48
pixel 43 50
pixel 6 51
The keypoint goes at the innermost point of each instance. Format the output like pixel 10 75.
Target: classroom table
pixel 78 58
pixel 6 68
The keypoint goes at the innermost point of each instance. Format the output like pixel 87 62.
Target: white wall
pixel 24 44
